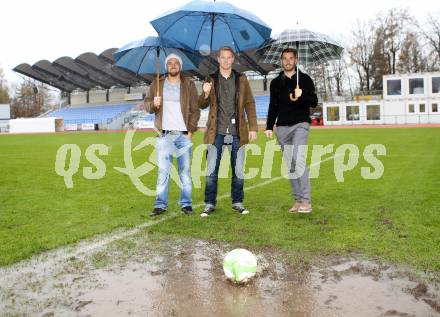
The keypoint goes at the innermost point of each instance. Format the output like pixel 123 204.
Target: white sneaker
pixel 305 208
pixel 240 208
pixel 209 209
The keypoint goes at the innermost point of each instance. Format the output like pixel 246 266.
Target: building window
pixel 422 107
pixel 434 107
pixel 411 108
pixel 352 112
pixel 373 112
pixel 416 86
pixel 394 87
pixel 332 113
pixel 435 85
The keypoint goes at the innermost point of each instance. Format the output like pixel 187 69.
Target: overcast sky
pixel 43 29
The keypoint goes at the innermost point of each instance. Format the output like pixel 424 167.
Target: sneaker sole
pixel 244 212
pixel 304 211
pixel 203 214
pixel 156 215
pixel 187 212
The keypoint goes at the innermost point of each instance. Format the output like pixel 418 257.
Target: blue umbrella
pixel 206 26
pixel 145 56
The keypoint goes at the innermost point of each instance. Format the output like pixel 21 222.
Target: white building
pixel 5 115
pixel 406 99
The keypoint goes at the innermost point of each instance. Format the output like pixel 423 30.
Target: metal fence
pixel 429 118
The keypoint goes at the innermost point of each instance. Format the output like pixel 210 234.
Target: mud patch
pixel 147 275
pixel 362 288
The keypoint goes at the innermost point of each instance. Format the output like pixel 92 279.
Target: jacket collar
pixel 281 75
pixel 183 79
pixel 216 75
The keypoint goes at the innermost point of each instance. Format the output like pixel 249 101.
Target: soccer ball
pixel 240 265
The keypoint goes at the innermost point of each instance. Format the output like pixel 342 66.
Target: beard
pixel 289 67
pixel 174 73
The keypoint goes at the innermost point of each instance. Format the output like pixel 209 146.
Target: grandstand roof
pixel 85 72
pixel 89 71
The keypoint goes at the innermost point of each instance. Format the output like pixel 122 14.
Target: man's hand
pixel 207 89
pixel 268 133
pixel 298 92
pixel 157 101
pixel 189 135
pixel 252 136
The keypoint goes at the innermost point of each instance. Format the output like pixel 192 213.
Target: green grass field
pixel 394 219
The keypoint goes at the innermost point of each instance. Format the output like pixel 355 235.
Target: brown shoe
pixel 305 208
pixel 295 207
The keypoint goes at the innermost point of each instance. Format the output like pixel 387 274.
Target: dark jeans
pixel 214 155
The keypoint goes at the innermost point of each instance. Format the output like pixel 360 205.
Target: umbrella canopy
pixel 141 56
pixel 145 56
pixel 313 48
pixel 206 26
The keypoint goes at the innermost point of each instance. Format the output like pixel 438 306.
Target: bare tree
pixel 432 37
pixel 4 91
pixel 318 75
pixel 336 75
pixel 380 59
pixel 411 57
pixel 396 25
pixel 390 35
pixel 29 100
pixel 360 77
pixel 361 53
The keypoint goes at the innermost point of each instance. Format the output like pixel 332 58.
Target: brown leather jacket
pixel 245 112
pixel 188 103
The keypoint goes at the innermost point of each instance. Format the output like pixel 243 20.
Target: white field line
pixel 47 260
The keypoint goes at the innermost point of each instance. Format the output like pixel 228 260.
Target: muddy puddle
pixel 151 276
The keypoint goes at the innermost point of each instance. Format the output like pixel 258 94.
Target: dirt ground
pixel 146 275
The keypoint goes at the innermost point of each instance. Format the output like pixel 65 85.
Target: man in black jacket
pixel 289 108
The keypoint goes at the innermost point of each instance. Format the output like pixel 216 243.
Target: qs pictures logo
pixel 92 153
pixel 345 158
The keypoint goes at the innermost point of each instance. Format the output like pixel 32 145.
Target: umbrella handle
pixel 157 89
pixel 291 95
pixel 297 79
pixel 157 70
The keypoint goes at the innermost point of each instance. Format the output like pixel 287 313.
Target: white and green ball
pixel 240 265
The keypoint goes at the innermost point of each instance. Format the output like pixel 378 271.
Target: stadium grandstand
pixel 96 94
pixel 96 114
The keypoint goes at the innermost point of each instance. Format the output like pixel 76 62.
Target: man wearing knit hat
pixel 176 117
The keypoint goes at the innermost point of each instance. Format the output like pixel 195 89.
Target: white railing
pixel 428 118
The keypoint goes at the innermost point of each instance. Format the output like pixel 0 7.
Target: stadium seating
pixel 101 114
pixel 261 104
pixel 104 114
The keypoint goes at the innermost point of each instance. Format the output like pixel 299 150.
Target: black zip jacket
pixel 284 111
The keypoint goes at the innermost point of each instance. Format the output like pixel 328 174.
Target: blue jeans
pixel 214 155
pixel 166 146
